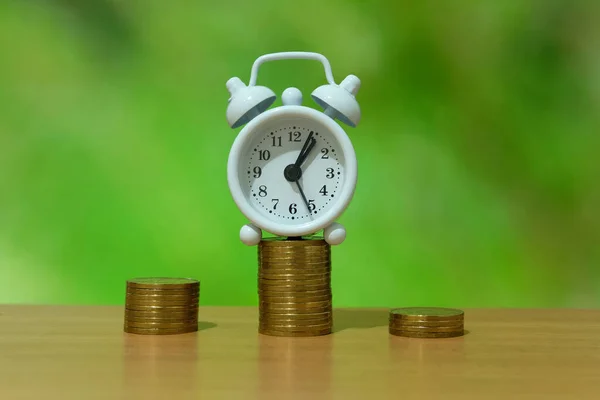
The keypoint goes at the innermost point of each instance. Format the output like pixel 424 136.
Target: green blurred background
pixel 479 181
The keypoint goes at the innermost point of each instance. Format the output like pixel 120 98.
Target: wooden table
pixel 62 352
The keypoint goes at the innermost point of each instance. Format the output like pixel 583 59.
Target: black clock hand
pixel 303 195
pixel 308 146
pixel 293 172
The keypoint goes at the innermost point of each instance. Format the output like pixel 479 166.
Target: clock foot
pixel 334 234
pixel 250 235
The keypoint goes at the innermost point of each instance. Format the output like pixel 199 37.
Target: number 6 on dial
pixel 292 170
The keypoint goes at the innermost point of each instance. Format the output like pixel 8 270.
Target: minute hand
pixel 308 146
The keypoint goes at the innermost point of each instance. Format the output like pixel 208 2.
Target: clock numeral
pixel 276 201
pixel 262 191
pixel 257 172
pixel 323 190
pixel 295 137
pixel 276 141
pixel 330 174
pixel 264 155
pixel 293 208
pixel 311 205
pixel 325 152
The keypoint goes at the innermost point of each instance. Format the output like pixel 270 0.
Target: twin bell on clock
pixel 292 169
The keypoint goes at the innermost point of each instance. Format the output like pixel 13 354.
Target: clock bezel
pixel 237 153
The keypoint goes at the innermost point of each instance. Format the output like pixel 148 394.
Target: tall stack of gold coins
pixel 426 322
pixel 161 306
pixel 294 287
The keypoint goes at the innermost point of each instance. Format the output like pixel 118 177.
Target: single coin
pixel 296 251
pixel 430 323
pixel 293 288
pixel 187 318
pixel 297 256
pixel 397 332
pixel 278 242
pixel 292 276
pixel 295 281
pixel 427 322
pixel 429 313
pixel 162 283
pixel 151 315
pixel 428 328
pixel 292 272
pixel 292 297
pixel 165 308
pixel 270 305
pixel 274 332
pixel 163 294
pixel 190 302
pixel 304 323
pixel 162 300
pixel 293 310
pixel 275 320
pixel 156 331
pixel 161 324
pixel 295 328
pixel 186 291
pixel 295 315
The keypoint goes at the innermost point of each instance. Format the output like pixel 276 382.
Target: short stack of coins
pixel 294 287
pixel 426 322
pixel 161 306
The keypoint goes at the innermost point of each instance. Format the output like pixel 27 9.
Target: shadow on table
pixel 204 325
pixel 359 318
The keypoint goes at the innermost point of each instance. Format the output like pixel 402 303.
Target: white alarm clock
pixel 292 170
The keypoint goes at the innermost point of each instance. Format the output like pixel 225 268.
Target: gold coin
pixel 186 291
pixel 168 294
pixel 293 273
pixel 165 308
pixel 426 313
pixel 159 331
pixel 293 288
pixel 165 317
pixel 274 332
pixel 426 322
pixel 303 323
pixel 431 324
pixel 161 324
pixel 190 302
pixel 295 327
pixel 162 298
pixel 275 318
pixel 320 306
pixel 305 254
pixel 305 299
pixel 428 328
pixel 397 332
pixel 163 283
pixel 295 315
pixel 292 276
pixel 296 280
pixel 278 242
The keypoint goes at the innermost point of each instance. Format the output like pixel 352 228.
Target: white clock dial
pixel 279 199
pixel 273 199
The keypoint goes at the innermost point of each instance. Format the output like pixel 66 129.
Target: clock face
pixel 326 176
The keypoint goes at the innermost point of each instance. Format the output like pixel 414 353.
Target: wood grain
pixel 64 352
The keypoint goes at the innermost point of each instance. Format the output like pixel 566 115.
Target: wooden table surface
pixel 64 352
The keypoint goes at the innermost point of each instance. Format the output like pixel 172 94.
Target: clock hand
pixel 303 195
pixel 293 172
pixel 308 146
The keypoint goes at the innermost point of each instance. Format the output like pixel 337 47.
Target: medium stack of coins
pixel 161 306
pixel 294 287
pixel 426 322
